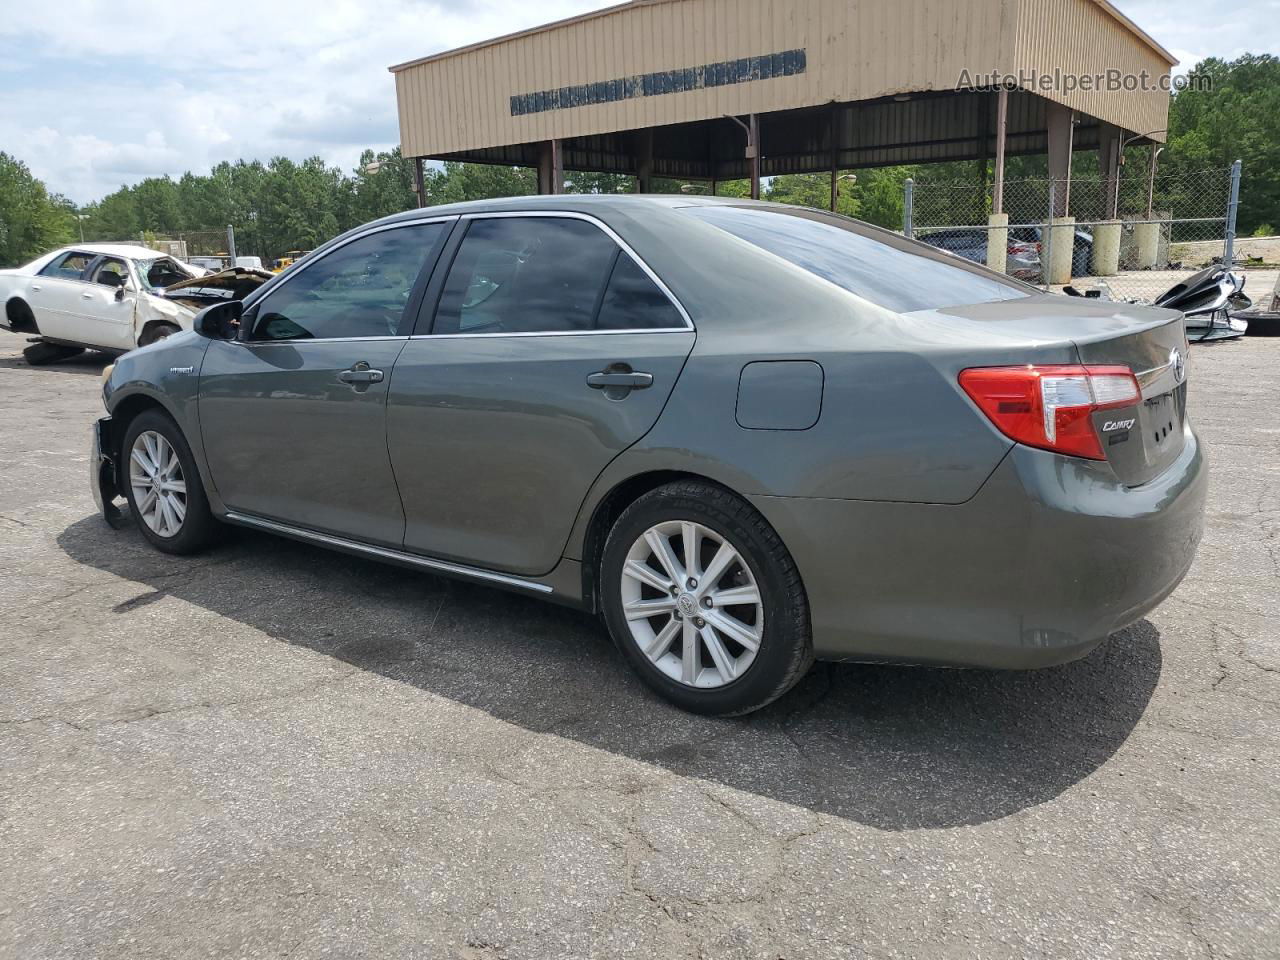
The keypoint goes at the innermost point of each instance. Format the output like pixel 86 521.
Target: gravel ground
pixel 273 750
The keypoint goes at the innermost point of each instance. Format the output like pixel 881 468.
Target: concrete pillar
pixel 1147 236
pixel 1106 248
pixel 998 242
pixel 1062 237
pixel 1061 132
pixel 644 161
pixel 1109 167
pixel 550 168
pixel 419 183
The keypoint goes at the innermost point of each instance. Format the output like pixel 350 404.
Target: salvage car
pixel 971 243
pixel 101 296
pixel 745 434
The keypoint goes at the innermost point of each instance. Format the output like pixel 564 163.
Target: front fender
pixel 165 374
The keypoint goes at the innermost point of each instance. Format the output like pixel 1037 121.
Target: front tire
pixel 704 600
pixel 163 486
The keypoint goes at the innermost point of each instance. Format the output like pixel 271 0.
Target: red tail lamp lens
pixel 1051 407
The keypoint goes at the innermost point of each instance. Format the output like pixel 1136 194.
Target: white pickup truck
pixel 96 295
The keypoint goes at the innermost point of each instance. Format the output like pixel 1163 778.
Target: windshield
pixel 877 265
pixel 162 272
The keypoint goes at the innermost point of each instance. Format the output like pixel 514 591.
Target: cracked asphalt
pixel 271 750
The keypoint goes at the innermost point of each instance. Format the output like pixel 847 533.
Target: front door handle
pixel 629 380
pixel 361 373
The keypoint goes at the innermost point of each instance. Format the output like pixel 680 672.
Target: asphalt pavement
pixel 271 750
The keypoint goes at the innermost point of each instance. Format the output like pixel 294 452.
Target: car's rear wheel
pixel 704 600
pixel 163 485
pixel 40 354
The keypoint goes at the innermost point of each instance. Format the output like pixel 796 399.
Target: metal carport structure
pixel 727 89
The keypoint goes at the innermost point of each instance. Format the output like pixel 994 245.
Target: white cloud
pixel 102 95
pixel 110 99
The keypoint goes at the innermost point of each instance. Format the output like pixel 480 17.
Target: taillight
pixel 1051 407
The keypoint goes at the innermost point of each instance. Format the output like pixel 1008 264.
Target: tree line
pixel 282 204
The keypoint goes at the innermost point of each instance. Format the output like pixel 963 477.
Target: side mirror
pixel 220 321
pixel 120 291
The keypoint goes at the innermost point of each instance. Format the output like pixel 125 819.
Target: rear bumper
pixel 1050 557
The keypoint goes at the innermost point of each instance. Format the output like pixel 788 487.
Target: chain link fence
pixel 199 245
pixel 1133 235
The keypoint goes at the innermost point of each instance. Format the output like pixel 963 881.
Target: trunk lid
pixel 1141 441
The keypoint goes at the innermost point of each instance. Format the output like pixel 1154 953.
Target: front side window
pixel 883 267
pixel 111 272
pixel 526 275
pixel 69 266
pixel 358 290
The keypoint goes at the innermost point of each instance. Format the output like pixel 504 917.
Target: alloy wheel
pixel 692 604
pixel 159 487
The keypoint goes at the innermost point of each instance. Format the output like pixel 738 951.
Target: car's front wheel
pixel 163 486
pixel 704 600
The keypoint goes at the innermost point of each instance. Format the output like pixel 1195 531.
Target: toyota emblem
pixel 1179 364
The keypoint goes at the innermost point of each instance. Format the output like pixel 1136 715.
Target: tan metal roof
pixel 654 63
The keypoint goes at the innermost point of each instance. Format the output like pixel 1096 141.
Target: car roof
pixel 576 202
pixel 135 251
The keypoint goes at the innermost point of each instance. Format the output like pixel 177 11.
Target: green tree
pixel 456 182
pixel 32 220
pixel 1238 117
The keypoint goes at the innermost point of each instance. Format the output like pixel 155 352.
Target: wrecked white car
pixel 109 297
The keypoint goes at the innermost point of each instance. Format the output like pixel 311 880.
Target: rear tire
pixel 695 649
pixel 167 499
pixel 157 332
pixel 42 354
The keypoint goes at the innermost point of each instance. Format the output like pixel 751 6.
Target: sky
pixel 107 93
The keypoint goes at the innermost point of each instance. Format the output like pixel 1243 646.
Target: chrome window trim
pixel 548 333
pixel 387 553
pixel 263 292
pixel 612 235
pixel 302 340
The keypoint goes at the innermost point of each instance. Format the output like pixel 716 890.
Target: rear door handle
pixel 361 373
pixel 633 380
pixel 86 296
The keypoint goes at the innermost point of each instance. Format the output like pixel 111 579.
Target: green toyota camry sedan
pixel 746 435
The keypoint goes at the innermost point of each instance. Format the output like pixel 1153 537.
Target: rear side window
pixel 69 266
pixel 359 290
pixel 632 301
pixel 877 265
pixel 525 275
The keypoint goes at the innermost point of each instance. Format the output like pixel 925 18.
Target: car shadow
pixel 89 362
pixel 892 747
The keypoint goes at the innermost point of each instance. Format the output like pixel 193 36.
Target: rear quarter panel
pixel 894 424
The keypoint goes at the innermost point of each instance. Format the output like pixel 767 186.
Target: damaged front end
pixel 103 475
pixel 234 283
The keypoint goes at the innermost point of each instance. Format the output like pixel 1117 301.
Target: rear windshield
pixel 877 265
